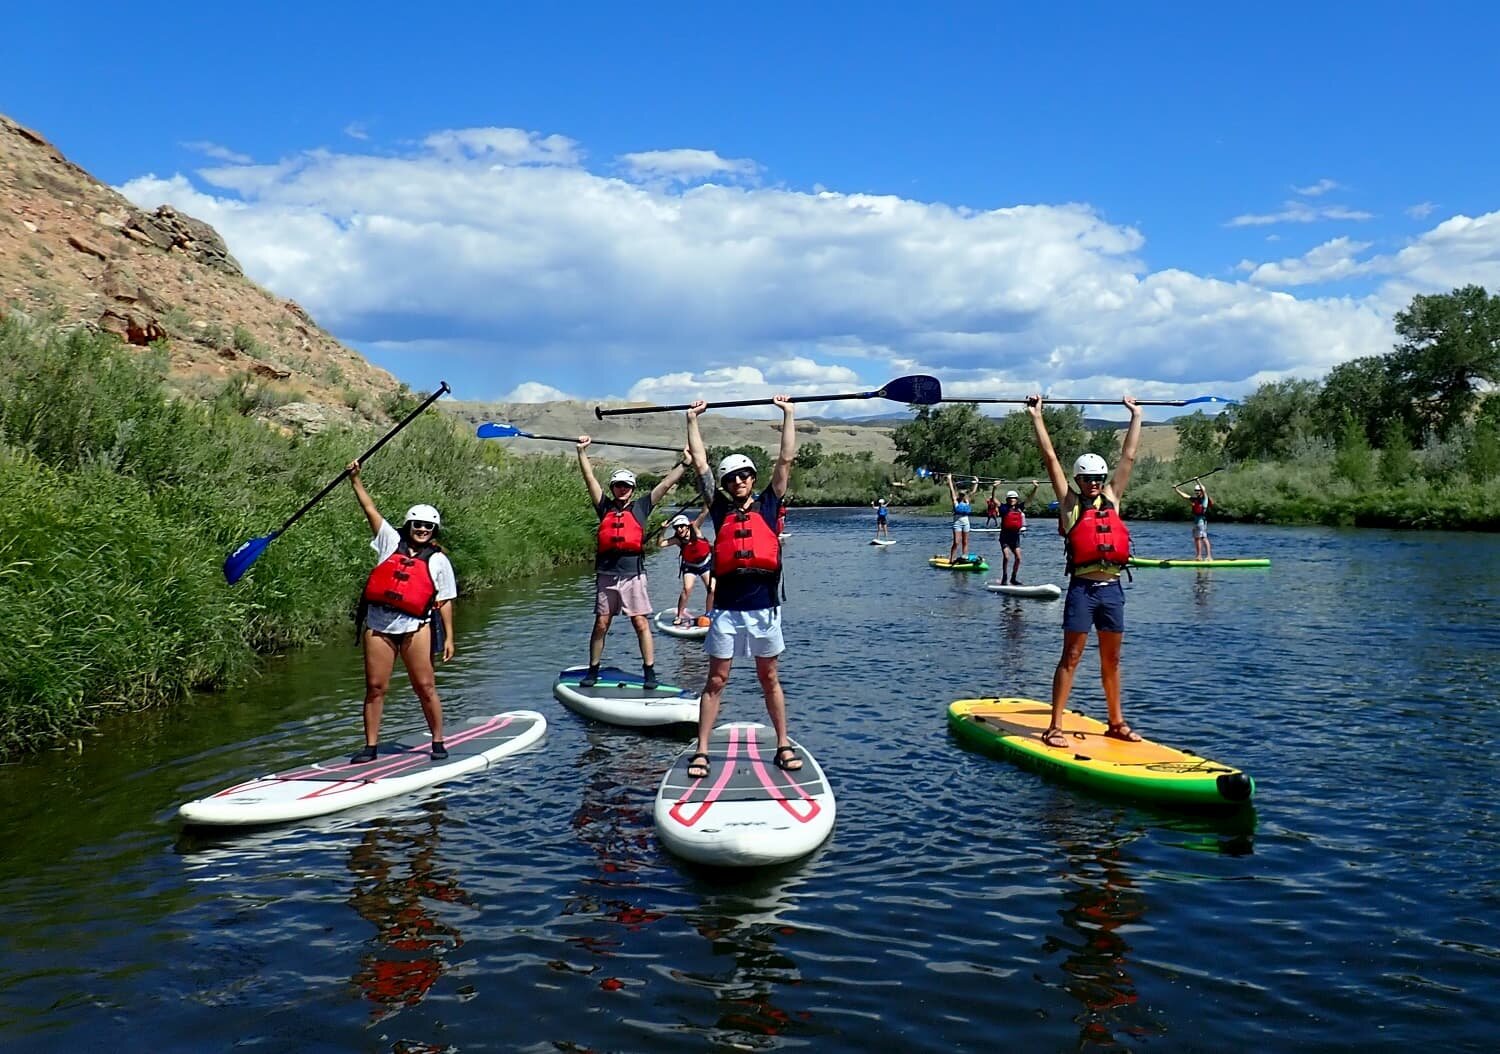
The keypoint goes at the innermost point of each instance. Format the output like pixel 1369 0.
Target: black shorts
pixel 1010 539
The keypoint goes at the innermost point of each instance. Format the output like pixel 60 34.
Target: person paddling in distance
pixel 1012 523
pixel 408 597
pixel 882 518
pixel 958 552
pixel 1202 550
pixel 746 622
pixel 1097 543
pixel 619 560
pixel 695 561
pixel 992 508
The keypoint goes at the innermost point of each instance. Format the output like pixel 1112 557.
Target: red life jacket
pixel 1201 506
pixel 991 508
pixel 1099 541
pixel 747 544
pixel 696 551
pixel 1013 519
pixel 620 533
pixel 403 582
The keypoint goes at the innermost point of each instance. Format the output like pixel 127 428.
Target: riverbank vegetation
pixel 122 501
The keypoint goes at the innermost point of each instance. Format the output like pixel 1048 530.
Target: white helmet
pixel 1011 494
pixel 425 513
pixel 1090 465
pixel 622 475
pixel 1197 486
pixel 733 463
pixel 882 501
pixel 680 521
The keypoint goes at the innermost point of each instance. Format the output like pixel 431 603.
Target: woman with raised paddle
pixel 1098 547
pixel 1012 523
pixel 619 562
pixel 747 572
pixel 409 597
pixel 1201 502
pixel 695 562
pixel 959 550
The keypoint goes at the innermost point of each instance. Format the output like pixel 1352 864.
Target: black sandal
pixel 702 766
pixel 787 763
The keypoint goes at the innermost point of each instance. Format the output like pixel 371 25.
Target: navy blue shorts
pixel 1010 539
pixel 1094 605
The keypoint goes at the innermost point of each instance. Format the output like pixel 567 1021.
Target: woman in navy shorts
pixel 1098 546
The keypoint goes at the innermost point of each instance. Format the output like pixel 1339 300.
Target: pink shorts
pixel 621 594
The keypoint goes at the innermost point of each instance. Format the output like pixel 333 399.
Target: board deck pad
pixel 746 812
pixel 337 783
pixel 1040 591
pixel 1146 769
pixel 615 683
pixel 1141 561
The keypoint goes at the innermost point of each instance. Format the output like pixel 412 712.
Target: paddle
pixel 495 431
pixel 1200 475
pixel 1106 402
pixel 920 390
pixel 239 561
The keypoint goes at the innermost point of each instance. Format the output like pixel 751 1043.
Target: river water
pixel 961 904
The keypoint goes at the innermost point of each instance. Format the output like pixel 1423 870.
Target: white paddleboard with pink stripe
pixel 747 811
pixel 400 768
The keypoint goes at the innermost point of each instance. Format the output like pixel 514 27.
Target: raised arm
pixel 1055 471
pixel 1035 486
pixel 1128 449
pixel 371 512
pixel 696 453
pixel 596 492
pixel 781 474
pixel 1178 491
pixel 952 490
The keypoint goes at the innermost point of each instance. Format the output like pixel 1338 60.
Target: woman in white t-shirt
pixel 408 596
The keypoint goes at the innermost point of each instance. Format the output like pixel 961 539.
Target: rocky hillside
pixel 73 250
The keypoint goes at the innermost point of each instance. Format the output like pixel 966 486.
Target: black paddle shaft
pixel 920 389
pixel 442 390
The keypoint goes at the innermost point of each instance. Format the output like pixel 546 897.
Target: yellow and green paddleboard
pixel 945 564
pixel 1147 771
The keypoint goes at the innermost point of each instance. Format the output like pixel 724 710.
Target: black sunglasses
pixel 1093 479
pixel 421 525
pixel 739 474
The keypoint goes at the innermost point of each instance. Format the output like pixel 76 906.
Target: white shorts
pixel 1200 528
pixel 960 523
pixel 744 634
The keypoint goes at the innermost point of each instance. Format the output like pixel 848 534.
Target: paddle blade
pixel 490 430
pixel 920 390
pixel 240 560
pixel 1211 399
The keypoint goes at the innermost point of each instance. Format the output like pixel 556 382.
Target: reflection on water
pixel 963 903
pixel 398 874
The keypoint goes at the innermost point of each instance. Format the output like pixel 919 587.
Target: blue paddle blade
pixel 240 560
pixel 1212 399
pixel 490 430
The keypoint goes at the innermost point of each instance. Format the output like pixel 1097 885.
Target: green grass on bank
pixel 121 502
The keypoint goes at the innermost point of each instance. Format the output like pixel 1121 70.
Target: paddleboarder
pixel 407 598
pixel 882 518
pixel 992 508
pixel 1202 549
pixel 747 574
pixel 1012 523
pixel 1098 547
pixel 695 561
pixel 959 550
pixel 619 560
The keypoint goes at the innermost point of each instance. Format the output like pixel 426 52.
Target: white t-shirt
pixel 382 619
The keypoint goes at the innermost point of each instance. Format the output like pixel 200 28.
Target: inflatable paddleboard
pixel 692 629
pixel 1043 591
pixel 746 812
pixel 881 541
pixel 961 565
pixel 1139 561
pixel 1145 770
pixel 620 698
pixel 402 767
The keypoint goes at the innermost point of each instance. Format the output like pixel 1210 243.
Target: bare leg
pixel 963 542
pixel 1208 548
pixel 642 626
pixel 596 639
pixel 708 702
pixel 380 660
pixel 685 596
pixel 1062 677
pixel 953 549
pixel 1109 673
pixel 416 653
pixel 1015 572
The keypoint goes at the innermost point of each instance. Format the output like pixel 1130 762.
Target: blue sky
pixel 696 199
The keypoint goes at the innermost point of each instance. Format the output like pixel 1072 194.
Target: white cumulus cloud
pixel 533 392
pixel 686 166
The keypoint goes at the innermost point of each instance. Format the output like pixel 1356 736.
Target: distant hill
pixel 74 250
